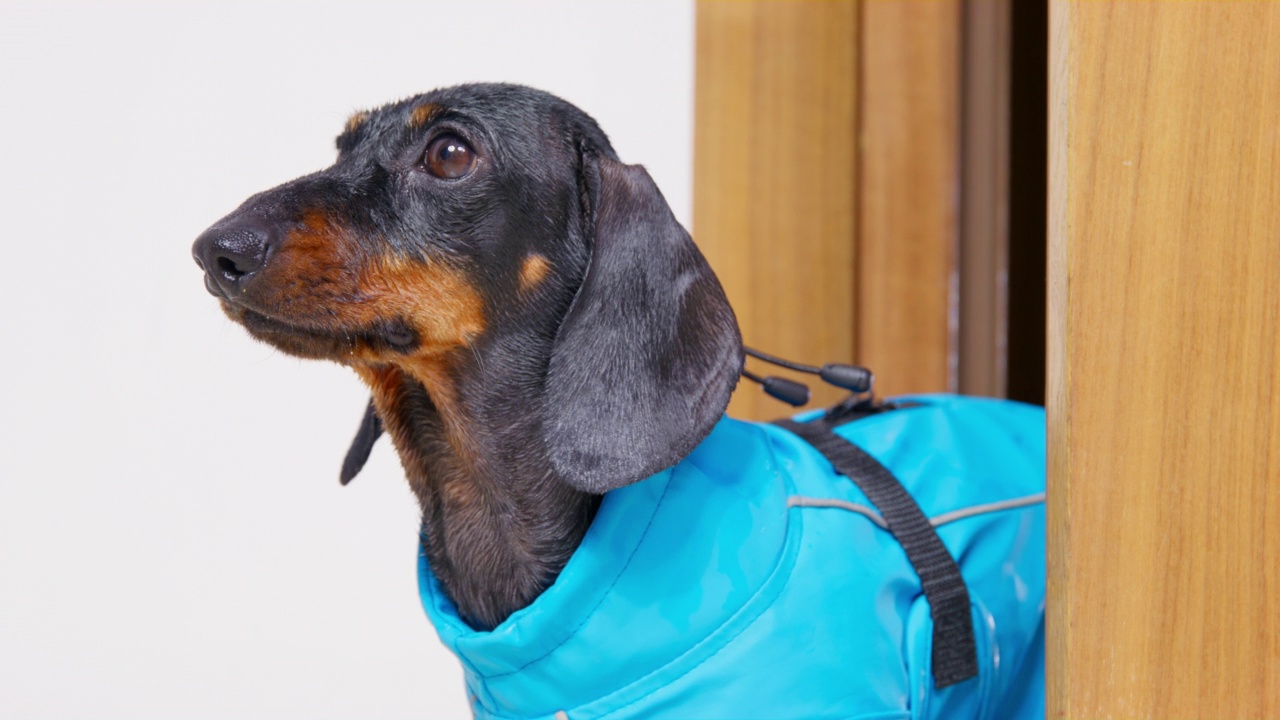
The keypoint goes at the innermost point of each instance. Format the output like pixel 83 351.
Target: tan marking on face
pixel 309 273
pixel 322 277
pixel 437 300
pixel 532 271
pixel 423 114
pixel 355 121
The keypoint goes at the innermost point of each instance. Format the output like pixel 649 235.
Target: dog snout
pixel 231 255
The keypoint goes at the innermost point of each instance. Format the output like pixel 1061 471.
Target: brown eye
pixel 449 158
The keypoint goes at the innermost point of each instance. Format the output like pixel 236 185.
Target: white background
pixel 173 539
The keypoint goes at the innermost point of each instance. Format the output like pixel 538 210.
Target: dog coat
pixel 751 580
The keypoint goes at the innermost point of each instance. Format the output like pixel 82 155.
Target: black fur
pixel 648 353
pixel 362 446
pixel 612 366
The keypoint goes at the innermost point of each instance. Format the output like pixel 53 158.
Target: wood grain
pixel 1164 360
pixel 909 154
pixel 826 171
pixel 775 176
pixel 983 256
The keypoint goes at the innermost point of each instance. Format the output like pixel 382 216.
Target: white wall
pixel 173 539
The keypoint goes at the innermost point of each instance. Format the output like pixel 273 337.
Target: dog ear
pixel 368 434
pixel 649 350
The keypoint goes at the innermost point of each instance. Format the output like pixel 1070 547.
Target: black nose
pixel 232 254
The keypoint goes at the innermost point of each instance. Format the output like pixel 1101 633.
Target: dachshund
pixel 552 357
pixel 534 325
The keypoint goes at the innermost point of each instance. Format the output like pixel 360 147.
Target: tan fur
pixel 423 114
pixel 355 121
pixel 318 278
pixel 437 300
pixel 532 271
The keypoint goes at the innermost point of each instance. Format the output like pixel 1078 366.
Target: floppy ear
pixel 649 350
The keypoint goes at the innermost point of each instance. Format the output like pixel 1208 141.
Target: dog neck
pixel 498 525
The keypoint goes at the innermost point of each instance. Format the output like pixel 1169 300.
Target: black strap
pixel 955 656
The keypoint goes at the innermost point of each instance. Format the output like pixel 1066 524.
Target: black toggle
pixel 853 378
pixel 850 377
pixel 788 391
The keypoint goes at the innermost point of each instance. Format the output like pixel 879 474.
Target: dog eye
pixel 449 158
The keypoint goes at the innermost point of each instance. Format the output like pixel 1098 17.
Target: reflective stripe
pixel 863 510
pixel 963 513
pixel 936 521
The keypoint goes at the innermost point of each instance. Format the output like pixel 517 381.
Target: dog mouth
pixel 262 324
pixel 327 343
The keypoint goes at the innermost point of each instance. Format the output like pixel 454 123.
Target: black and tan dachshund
pixel 534 325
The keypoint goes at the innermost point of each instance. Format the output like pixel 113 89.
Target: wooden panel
pixel 909 169
pixel 1164 400
pixel 983 256
pixel 774 176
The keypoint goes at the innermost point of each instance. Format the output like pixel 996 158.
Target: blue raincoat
pixel 751 581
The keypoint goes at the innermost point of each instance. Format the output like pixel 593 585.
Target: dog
pixel 552 357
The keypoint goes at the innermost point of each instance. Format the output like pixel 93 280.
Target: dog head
pixel 486 242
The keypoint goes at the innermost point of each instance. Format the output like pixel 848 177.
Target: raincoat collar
pixel 537 630
pixel 638 577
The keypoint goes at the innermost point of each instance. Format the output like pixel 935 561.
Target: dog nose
pixel 231 255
